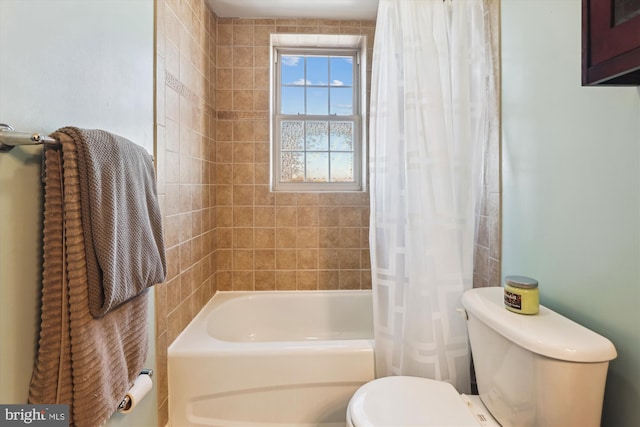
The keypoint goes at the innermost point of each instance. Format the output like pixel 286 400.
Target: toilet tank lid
pixel 546 333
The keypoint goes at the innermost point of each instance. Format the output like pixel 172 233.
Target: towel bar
pixel 9 138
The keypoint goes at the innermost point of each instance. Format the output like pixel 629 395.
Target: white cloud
pixel 290 61
pixel 337 83
pixel 300 82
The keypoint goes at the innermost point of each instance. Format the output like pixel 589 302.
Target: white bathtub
pixel 267 359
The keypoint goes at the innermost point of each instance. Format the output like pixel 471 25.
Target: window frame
pixel 358 185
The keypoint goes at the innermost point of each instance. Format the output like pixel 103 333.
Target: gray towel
pixel 88 363
pixel 120 217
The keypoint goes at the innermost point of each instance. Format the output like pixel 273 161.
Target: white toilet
pixel 541 370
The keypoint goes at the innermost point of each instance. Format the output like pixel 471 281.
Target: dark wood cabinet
pixel 611 42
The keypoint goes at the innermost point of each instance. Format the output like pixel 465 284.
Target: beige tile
pixel 307 237
pixel 265 280
pixel 243 259
pixel 265 238
pixel 224 238
pixel 243 280
pixel 243 56
pixel 243 173
pixel 264 216
pixel 286 237
pixel 242 78
pixel 329 237
pixel 349 238
pixel 242 100
pixel 285 280
pixel 243 216
pixel 225 34
pixel 224 195
pixel 262 34
pixel 329 216
pixel 243 131
pixel 349 259
pixel 328 259
pixel 350 279
pixel 243 35
pixel 265 259
pixel 286 259
pixel 243 152
pixel 328 279
pixel 243 237
pixel 307 216
pixel 286 216
pixel 243 195
pixel 307 259
pixel 263 196
pixel 307 280
pixel 225 78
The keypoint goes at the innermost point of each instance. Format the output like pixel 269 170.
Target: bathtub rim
pixel 194 340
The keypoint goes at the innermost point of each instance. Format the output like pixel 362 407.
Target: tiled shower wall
pixel 185 155
pixel 488 252
pixel 274 241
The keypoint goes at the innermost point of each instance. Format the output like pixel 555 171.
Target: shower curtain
pixel 430 92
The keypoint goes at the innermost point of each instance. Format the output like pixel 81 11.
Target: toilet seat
pixel 408 401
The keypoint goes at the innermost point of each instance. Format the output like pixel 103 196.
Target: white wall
pixel 571 186
pixel 65 62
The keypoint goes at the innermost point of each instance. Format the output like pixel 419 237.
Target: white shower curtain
pixel 429 123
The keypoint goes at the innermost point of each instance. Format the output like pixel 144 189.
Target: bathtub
pixel 267 359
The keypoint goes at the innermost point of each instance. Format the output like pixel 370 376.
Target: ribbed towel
pixel 82 361
pixel 121 217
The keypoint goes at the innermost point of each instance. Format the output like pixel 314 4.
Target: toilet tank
pixel 535 371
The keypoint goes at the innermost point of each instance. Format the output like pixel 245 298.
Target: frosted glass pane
pixel 317 136
pixel 341 71
pixel 341 167
pixel 341 136
pixel 292 135
pixel 292 70
pixel 318 70
pixel 317 100
pixel 342 101
pixel 292 169
pixel 317 167
pixel 292 101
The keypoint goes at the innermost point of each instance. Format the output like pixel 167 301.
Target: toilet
pixel 532 371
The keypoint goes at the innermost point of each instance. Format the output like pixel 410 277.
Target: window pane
pixel 341 71
pixel 292 100
pixel 318 70
pixel 317 100
pixel 292 70
pixel 342 101
pixel 341 136
pixel 317 167
pixel 341 167
pixel 317 136
pixel 292 167
pixel 292 135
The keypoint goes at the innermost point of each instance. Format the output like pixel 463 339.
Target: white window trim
pixel 305 44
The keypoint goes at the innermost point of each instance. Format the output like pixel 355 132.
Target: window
pixel 317 129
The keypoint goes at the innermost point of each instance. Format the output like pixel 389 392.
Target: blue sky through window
pixel 317 84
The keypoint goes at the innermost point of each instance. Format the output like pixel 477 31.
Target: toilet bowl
pixel 402 401
pixel 532 371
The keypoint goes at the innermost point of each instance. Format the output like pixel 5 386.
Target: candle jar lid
pixel 521 282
